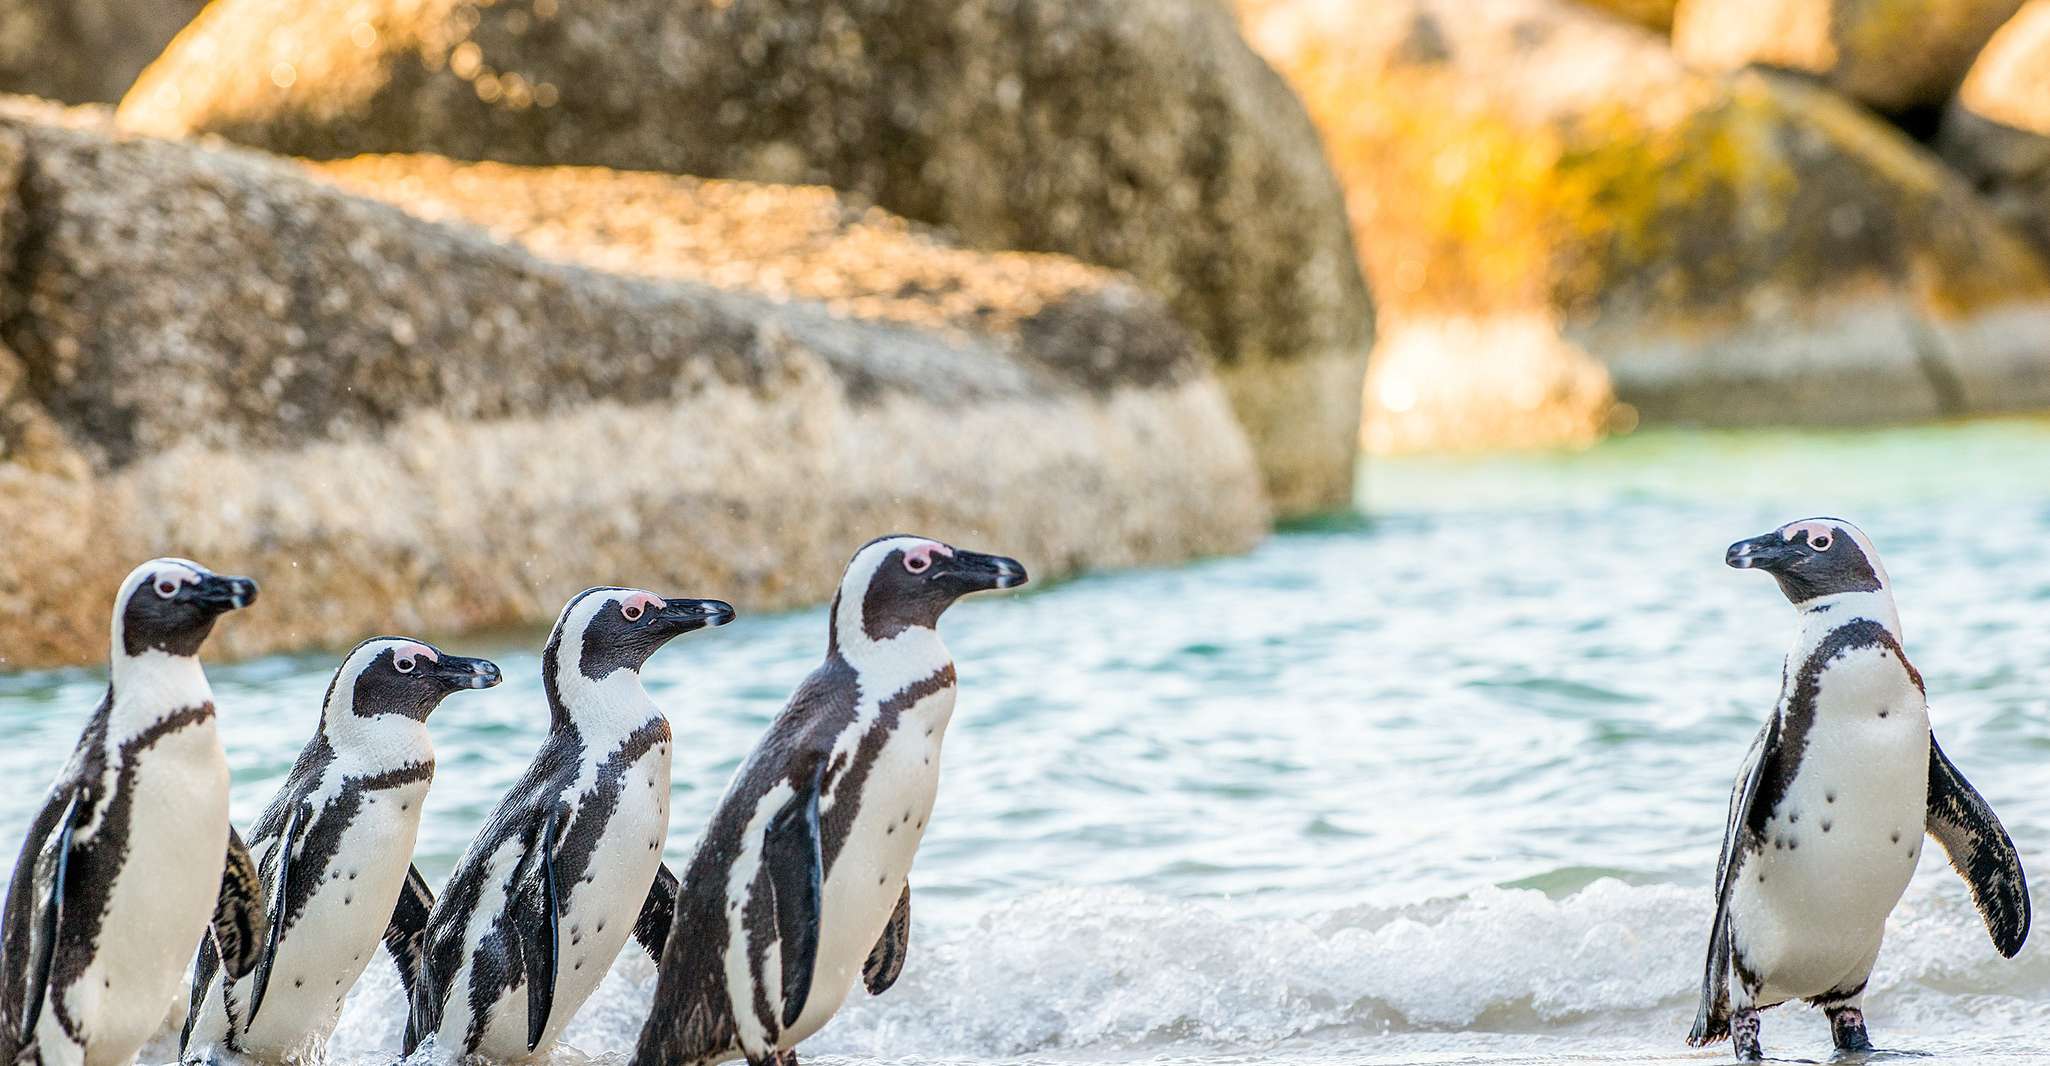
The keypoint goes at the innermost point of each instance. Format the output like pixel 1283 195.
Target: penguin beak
pixel 681 616
pixel 1770 552
pixel 975 572
pixel 220 593
pixel 457 672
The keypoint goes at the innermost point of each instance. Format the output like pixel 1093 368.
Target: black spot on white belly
pixel 1793 817
pixel 1896 836
pixel 1829 797
pixel 1825 825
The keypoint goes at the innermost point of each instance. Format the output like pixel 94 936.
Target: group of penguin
pixel 798 885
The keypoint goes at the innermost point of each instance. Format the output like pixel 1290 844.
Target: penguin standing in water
pixel 332 852
pixel 130 856
pixel 570 864
pixel 1827 816
pixel 800 883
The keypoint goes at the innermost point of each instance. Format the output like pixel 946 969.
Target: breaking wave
pixel 1115 973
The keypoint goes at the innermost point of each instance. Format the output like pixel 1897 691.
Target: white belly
pixel 601 910
pixel 1810 910
pixel 869 873
pixel 163 898
pixel 339 932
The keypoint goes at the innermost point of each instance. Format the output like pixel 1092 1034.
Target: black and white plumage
pixel 332 852
pixel 800 883
pixel 124 867
pixel 570 863
pixel 1828 813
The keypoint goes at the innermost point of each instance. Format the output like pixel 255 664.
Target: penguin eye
pixel 166 587
pixel 918 564
pixel 1819 542
pixel 404 665
pixel 632 611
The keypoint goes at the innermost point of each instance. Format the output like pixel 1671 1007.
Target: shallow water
pixel 1441 785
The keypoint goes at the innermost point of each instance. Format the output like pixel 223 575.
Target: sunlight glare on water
pixel 1441 785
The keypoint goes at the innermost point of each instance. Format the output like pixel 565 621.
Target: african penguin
pixel 570 864
pixel 800 882
pixel 126 863
pixel 331 852
pixel 1826 819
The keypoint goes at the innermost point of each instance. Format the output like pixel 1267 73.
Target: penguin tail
pixel 1710 1027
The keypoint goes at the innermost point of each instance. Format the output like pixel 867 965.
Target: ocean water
pixel 1439 783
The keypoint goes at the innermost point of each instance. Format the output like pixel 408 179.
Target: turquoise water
pixel 1444 783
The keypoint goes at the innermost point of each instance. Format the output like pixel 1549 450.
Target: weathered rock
pixel 398 424
pixel 1651 14
pixel 1997 130
pixel 1892 54
pixel 1546 198
pixel 84 51
pixel 1138 134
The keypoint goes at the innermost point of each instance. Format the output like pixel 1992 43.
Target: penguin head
pixel 604 630
pixel 402 676
pixel 901 582
pixel 169 605
pixel 1813 558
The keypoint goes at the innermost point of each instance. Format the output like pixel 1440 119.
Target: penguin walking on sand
pixel 570 864
pixel 1827 816
pixel 332 852
pixel 131 855
pixel 800 882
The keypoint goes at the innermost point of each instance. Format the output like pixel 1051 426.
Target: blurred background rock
pixel 843 250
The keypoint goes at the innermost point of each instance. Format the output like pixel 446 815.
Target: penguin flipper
pixel 658 911
pixel 51 866
pixel 1980 851
pixel 541 948
pixel 408 926
pixel 205 966
pixel 1712 1016
pixel 241 924
pixel 886 959
pixel 280 890
pixel 793 854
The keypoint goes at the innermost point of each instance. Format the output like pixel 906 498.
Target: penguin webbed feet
pixel 1743 1029
pixel 1709 1028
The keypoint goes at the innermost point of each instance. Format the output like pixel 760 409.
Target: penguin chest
pixel 601 905
pixel 162 895
pixel 328 945
pixel 1811 904
pixel 874 863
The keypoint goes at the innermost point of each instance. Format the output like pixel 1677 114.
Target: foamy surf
pixel 1606 973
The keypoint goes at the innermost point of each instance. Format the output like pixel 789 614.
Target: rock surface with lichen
pixel 1558 216
pixel 1894 55
pixel 404 424
pixel 84 51
pixel 1997 130
pixel 1138 134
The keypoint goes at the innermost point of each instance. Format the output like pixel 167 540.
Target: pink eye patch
pixel 641 603
pixel 918 560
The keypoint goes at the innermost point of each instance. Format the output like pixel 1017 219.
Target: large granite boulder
pixel 1894 55
pixel 84 51
pixel 401 424
pixel 1556 213
pixel 1997 130
pixel 1138 134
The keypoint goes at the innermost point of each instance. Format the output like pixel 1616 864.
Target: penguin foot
pixel 1744 1035
pixel 1847 1029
